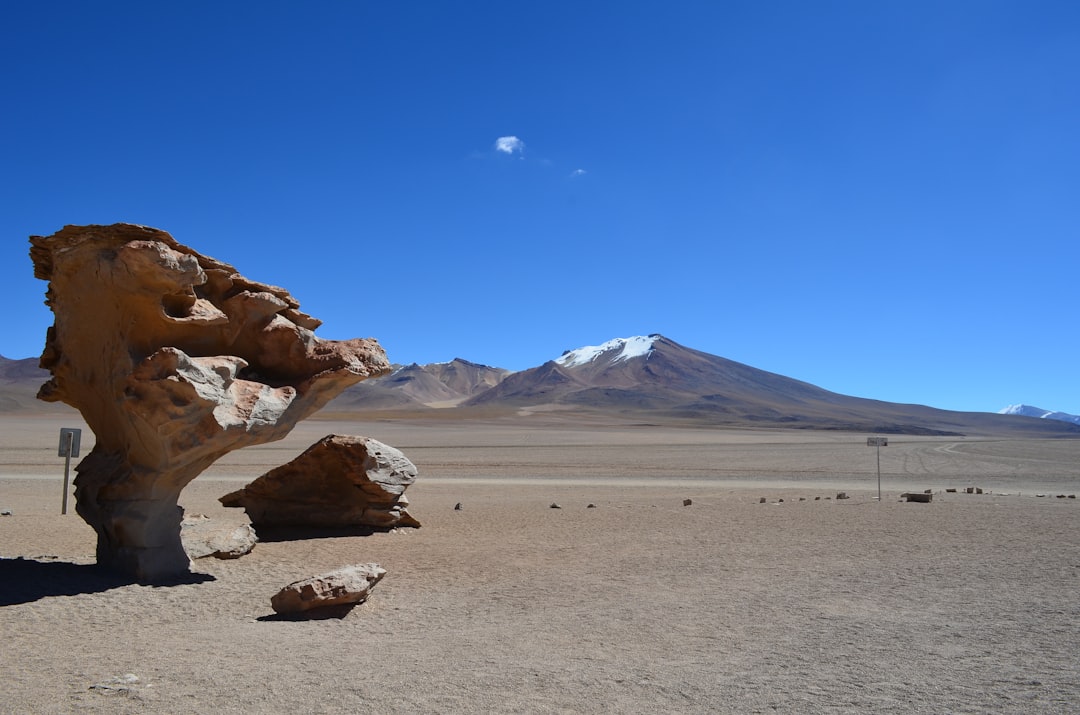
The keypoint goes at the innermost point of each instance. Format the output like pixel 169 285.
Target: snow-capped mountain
pixel 615 350
pixel 658 380
pixel 1029 411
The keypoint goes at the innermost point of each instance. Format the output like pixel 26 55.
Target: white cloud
pixel 509 145
pixel 578 172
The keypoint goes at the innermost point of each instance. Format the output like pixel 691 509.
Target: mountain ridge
pixel 643 379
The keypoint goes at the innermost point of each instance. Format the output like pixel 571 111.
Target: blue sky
pixel 880 198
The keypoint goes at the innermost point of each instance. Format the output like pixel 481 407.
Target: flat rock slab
pixel 347 585
pixel 204 537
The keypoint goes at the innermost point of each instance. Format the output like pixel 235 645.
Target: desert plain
pixel 639 604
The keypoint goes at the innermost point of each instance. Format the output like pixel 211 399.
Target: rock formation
pixel 174 359
pixel 338 482
pixel 347 585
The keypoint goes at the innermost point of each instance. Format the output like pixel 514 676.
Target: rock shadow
pixel 315 614
pixel 268 533
pixel 27 580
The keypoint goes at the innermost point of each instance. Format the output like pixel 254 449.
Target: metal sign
pixel 69 442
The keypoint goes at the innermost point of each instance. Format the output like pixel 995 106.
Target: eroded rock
pixel 174 359
pixel 350 584
pixel 339 482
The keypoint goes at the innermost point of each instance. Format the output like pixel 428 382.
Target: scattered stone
pixel 338 482
pixel 802 498
pixel 555 506
pixel 928 491
pixel 347 585
pixel 779 501
pixel 1060 496
pixel 5 512
pixel 202 538
pixel 174 359
pixel 591 506
pixel 817 498
pixel 978 490
pixel 119 685
pixel 951 491
pixel 923 498
pixel 842 495
pixel 1072 496
pixel 970 490
pixel 687 502
pixel 458 507
pixel 762 500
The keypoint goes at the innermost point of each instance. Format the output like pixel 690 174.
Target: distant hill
pixel 19 383
pixel 443 384
pixel 1029 411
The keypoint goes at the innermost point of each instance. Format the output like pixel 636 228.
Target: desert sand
pixel 641 604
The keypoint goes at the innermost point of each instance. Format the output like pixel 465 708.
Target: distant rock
pixel 339 482
pixel 347 585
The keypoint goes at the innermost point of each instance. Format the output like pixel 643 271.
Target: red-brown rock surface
pixel 173 359
pixel 340 481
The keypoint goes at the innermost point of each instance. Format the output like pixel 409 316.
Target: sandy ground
pixel 964 605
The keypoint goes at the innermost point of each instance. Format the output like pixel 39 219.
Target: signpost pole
pixel 67 469
pixel 878 442
pixel 69 447
pixel 879 472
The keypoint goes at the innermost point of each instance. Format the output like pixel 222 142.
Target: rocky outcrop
pixel 344 586
pixel 339 482
pixel 174 359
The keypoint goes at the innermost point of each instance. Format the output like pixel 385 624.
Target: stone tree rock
pixel 338 482
pixel 174 359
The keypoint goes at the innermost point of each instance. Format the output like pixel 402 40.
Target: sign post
pixel 878 442
pixel 69 447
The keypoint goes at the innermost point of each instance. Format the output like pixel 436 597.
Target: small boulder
pixel 687 502
pixel 555 506
pixel 343 586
